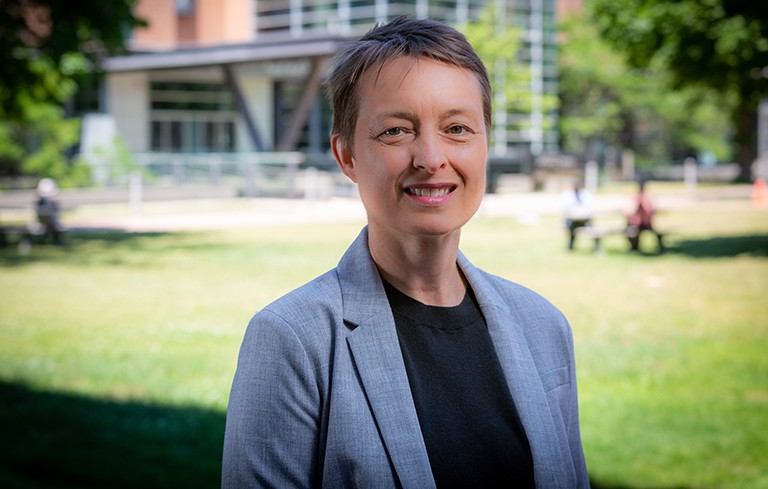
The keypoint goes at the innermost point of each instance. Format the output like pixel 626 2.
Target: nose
pixel 429 154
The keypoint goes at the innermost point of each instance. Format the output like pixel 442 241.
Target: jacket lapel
pixel 522 377
pixel 378 359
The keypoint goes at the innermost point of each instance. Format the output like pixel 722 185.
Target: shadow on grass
pixel 83 245
pixel 59 440
pixel 598 485
pixel 64 441
pixel 74 241
pixel 755 245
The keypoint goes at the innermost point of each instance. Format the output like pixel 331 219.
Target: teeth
pixel 429 192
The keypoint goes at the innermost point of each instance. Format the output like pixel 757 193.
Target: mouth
pixel 438 191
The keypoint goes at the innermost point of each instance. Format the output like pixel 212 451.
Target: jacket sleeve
pixel 572 425
pixel 273 415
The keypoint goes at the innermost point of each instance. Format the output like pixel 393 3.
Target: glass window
pixel 191 117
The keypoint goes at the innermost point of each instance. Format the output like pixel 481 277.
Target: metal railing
pixel 274 174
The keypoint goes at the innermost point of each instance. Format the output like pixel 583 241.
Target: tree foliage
pixel 56 32
pixel 44 46
pixel 720 44
pixel 498 45
pixel 607 102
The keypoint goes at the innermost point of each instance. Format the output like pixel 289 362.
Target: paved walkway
pixel 243 213
pixel 240 213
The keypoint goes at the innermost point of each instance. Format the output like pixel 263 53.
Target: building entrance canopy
pixel 315 49
pixel 275 49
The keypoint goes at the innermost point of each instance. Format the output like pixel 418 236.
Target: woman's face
pixel 419 149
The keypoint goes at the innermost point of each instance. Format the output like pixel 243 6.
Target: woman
pixel 406 366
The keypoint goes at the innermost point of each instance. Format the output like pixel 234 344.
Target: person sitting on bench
pixel 47 210
pixel 640 218
pixel 577 207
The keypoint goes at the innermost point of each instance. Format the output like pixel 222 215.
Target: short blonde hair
pixel 403 37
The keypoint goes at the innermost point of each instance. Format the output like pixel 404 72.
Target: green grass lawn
pixel 117 352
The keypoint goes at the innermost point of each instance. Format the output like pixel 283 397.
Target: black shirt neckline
pixel 448 317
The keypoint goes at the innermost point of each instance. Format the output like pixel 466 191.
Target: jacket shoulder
pixel 308 306
pixel 522 298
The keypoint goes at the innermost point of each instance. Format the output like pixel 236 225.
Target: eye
pixel 394 131
pixel 458 130
pixel 395 135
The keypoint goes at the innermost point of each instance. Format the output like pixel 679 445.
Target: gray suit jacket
pixel 321 397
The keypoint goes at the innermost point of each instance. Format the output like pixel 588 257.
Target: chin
pixel 437 227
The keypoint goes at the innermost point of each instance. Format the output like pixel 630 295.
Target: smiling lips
pixel 430 191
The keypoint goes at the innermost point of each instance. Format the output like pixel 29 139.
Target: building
pixel 213 76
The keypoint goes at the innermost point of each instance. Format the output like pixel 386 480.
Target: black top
pixel 468 419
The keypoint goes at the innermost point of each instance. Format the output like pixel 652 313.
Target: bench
pixel 25 235
pixel 596 234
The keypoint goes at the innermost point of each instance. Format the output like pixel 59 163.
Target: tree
pixel 606 102
pixel 720 44
pixel 498 45
pixel 592 83
pixel 56 32
pixel 44 46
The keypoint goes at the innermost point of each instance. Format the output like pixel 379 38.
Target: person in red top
pixel 640 218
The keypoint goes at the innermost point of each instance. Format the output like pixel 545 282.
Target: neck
pixel 423 268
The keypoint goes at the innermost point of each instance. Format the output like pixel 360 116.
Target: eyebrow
pixel 410 117
pixel 396 115
pixel 453 112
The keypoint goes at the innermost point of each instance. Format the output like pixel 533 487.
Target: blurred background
pixel 165 172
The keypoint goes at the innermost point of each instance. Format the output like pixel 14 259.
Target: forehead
pixel 406 74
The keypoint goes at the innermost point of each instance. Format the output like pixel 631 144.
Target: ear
pixel 344 157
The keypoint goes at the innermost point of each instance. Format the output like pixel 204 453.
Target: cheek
pixel 472 164
pixel 371 179
pixel 380 165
